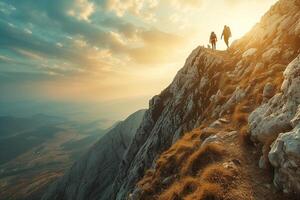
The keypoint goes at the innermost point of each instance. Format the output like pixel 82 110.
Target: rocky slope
pixel 91 176
pixel 214 87
pixel 194 141
pixel 279 120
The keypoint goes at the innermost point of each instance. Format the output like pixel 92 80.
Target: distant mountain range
pixel 36 150
pixel 99 166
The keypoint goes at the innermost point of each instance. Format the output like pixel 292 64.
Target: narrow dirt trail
pixel 252 183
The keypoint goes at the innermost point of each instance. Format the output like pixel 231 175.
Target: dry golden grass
pixel 168 163
pixel 147 181
pixel 180 189
pixel 244 136
pixel 239 116
pixel 240 121
pixel 211 192
pixel 207 191
pixel 218 174
pixel 277 81
pixel 202 157
pixel 197 171
pixel 229 89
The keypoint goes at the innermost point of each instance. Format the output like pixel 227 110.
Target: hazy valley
pixel 36 150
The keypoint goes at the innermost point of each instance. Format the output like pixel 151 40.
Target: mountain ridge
pixel 255 59
pixel 204 113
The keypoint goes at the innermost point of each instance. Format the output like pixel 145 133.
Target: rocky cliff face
pixel 278 120
pixel 211 96
pixel 213 85
pixel 178 109
pixel 91 177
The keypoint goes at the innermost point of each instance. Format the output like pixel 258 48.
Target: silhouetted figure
pixel 227 34
pixel 213 40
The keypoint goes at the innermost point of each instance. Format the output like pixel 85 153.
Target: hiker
pixel 227 34
pixel 213 40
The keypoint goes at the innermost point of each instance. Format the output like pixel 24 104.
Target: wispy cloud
pixel 101 44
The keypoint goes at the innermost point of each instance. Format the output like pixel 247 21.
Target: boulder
pixel 281 116
pixel 249 52
pixel 269 55
pixel 285 157
pixel 274 116
pixel 269 90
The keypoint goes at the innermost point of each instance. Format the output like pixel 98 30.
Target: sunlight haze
pixel 100 51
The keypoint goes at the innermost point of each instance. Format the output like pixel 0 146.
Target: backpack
pixel 228 31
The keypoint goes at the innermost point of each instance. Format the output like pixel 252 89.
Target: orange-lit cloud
pixel 88 50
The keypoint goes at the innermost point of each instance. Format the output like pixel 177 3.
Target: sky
pixel 114 54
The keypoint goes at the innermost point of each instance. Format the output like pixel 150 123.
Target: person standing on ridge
pixel 227 34
pixel 213 40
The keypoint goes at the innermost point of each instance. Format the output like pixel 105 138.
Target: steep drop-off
pixel 91 176
pixel 196 142
pixel 212 89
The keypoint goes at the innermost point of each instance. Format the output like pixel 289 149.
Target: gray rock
pixel 270 54
pixel 216 124
pixel 269 91
pixel 281 116
pixel 169 180
pixel 179 109
pixel 285 157
pixel 136 194
pixel 275 116
pixel 210 139
pixel 296 120
pixel 262 163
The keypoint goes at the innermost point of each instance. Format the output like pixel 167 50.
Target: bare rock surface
pixel 280 116
pixel 212 84
pixel 180 107
pixel 175 111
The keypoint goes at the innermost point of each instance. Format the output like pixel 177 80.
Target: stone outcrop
pixel 280 116
pixel 178 109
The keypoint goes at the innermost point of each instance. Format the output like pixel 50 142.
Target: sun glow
pixel 93 52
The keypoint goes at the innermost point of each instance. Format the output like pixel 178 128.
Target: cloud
pixel 121 7
pixel 6 8
pixel 158 47
pixel 121 37
pixel 81 9
pixel 59 42
pixel 187 3
pixel 30 55
pixel 141 8
pixel 5 59
pixel 232 2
